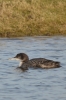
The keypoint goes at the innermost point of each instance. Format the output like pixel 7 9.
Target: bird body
pixel 25 63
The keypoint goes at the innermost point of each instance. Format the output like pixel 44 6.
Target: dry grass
pixel 32 17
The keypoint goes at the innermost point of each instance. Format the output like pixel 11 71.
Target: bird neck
pixel 20 64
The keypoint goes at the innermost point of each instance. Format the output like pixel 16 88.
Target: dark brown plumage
pixel 25 63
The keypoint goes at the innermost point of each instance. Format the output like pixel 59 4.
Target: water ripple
pixel 34 84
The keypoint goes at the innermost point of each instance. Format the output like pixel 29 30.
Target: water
pixel 34 84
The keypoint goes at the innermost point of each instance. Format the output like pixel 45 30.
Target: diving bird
pixel 26 63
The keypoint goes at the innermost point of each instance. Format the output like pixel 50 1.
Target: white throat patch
pixel 20 64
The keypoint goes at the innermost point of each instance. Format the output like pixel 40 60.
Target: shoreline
pixel 15 36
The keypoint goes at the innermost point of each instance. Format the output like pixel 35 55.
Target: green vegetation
pixel 32 17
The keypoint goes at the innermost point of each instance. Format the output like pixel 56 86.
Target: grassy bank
pixel 32 17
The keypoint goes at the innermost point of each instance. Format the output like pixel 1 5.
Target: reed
pixel 32 17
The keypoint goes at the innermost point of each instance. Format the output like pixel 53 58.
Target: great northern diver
pixel 25 63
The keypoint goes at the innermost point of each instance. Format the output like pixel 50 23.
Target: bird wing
pixel 44 63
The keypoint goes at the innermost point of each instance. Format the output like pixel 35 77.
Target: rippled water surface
pixel 34 84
